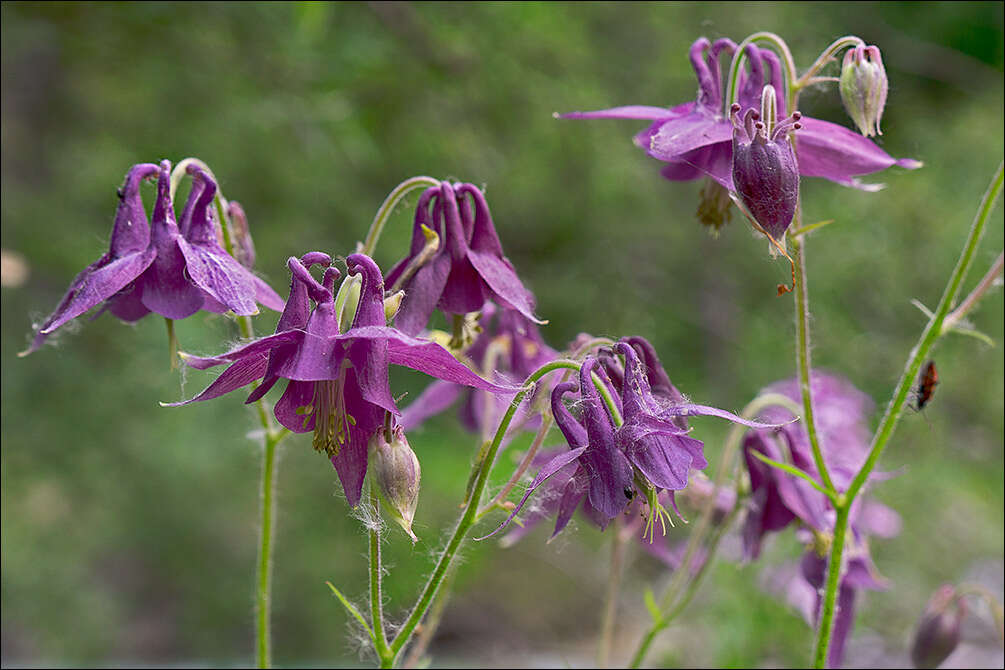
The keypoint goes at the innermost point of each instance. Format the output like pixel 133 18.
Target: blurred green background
pixel 129 530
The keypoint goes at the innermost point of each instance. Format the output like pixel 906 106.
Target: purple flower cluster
pixel 778 499
pixel 171 267
pixel 337 383
pixel 640 447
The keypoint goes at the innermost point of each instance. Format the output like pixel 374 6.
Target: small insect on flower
pixel 926 385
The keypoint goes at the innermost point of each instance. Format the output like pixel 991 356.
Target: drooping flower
pixel 648 453
pixel 694 139
pixel 765 172
pixel 467 269
pixel 171 268
pixel 338 384
pixel 508 346
pixel 778 499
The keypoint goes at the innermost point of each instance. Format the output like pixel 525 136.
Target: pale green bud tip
pixel 863 86
pixel 397 473
pixel 938 632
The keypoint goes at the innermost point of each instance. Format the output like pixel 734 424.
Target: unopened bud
pixel 863 87
pixel 244 247
pixel 938 631
pixel 397 472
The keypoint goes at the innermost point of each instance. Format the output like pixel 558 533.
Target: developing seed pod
pixel 938 631
pixel 397 473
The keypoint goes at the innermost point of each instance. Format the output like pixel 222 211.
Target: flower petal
pixel 220 275
pixel 241 373
pixel 687 133
pixel 836 153
pixel 425 356
pixel 546 471
pixel 626 112
pixel 436 398
pixel 295 410
pixel 262 344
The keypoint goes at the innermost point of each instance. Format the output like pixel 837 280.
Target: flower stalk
pixel 933 330
pixel 390 202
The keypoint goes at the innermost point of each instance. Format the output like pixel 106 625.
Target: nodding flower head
pixel 863 85
pixel 468 267
pixel 338 385
pixel 765 170
pixel 938 631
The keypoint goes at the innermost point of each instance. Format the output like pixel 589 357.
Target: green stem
pixel 825 57
pixel 733 78
pixel 618 545
pixel 468 518
pixel 390 202
pixel 263 592
pixel 803 364
pixel 983 286
pixel 172 342
pixel 376 599
pixel 933 330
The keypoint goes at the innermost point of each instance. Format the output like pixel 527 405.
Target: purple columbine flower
pixel 468 267
pixel 168 267
pixel 516 348
pixel 337 382
pixel 694 139
pixel 777 499
pixel 648 453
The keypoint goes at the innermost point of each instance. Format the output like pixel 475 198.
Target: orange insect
pixel 926 385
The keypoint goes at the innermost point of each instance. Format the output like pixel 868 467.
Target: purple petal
pixel 262 344
pixel 687 133
pixel 240 373
pixel 833 152
pixel 96 284
pixel 164 288
pixel 126 305
pixel 351 460
pixel 547 470
pixel 689 409
pixel 427 357
pixel 369 361
pixel 265 295
pixel 220 275
pixel 131 231
pixel 422 293
pixel 289 410
pixel 501 278
pixel 436 398
pixel 626 112
pixel 574 493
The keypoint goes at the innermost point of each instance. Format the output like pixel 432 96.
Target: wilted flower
pixel 695 139
pixel 172 268
pixel 863 87
pixel 338 382
pixel 468 267
pixel 938 632
pixel 765 172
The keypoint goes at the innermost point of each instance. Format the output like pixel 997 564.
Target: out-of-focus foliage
pixel 129 530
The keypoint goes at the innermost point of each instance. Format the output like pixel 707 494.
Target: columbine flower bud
pixel 863 87
pixel 938 631
pixel 397 473
pixel 765 171
pixel 244 246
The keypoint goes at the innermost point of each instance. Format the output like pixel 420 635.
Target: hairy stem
pixel 468 517
pixel 803 364
pixel 933 330
pixel 376 575
pixel 618 546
